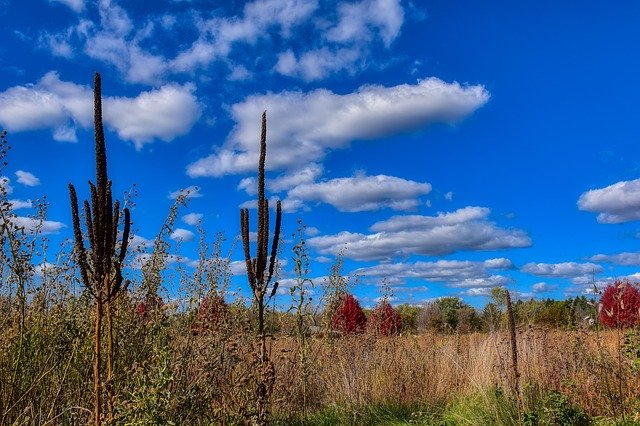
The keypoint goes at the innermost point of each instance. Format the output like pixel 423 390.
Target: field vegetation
pixel 88 338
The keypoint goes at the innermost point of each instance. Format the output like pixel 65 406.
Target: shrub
pixel 385 320
pixel 149 306
pixel 212 311
pixel 619 305
pixel 349 318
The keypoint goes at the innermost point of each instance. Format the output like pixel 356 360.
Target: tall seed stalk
pixel 259 272
pixel 101 267
pixel 511 322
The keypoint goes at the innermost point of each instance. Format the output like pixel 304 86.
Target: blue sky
pixel 446 147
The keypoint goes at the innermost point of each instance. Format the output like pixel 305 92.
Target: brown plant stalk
pixel 259 273
pixel 101 266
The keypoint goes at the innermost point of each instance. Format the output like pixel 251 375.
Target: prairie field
pixel 171 368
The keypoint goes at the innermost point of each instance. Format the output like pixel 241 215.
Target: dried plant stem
pixel 514 349
pixel 97 408
pixel 101 267
pixel 259 274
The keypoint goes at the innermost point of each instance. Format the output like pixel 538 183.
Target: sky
pixel 443 147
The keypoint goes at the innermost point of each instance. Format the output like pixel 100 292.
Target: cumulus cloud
pixel 35 226
pixel 20 204
pixel 615 203
pixel 363 193
pixel 182 235
pixel 164 113
pixel 562 270
pixel 543 287
pixel 624 259
pixel 307 125
pixel 192 218
pixel 26 178
pixel 464 229
pixel 454 273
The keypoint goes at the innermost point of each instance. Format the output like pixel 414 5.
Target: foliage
pixel 385 320
pixel 349 318
pixel 620 305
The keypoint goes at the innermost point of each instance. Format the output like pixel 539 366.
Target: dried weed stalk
pixel 101 267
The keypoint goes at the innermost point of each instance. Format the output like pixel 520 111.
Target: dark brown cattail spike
pixel 257 273
pixel 101 271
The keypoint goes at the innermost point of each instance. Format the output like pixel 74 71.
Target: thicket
pixel 198 354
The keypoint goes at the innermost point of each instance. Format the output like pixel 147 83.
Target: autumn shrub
pixel 385 320
pixel 149 305
pixel 213 309
pixel 620 305
pixel 349 318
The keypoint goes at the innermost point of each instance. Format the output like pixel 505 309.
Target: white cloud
pixel 464 229
pixel 616 203
pixel 164 113
pixel 248 185
pixel 75 5
pixel 318 64
pixel 305 175
pixel 363 193
pixel 543 287
pixel 218 35
pixel 562 270
pixel 287 205
pixel 32 225
pixel 304 126
pixel 20 204
pixel 338 36
pixel 625 259
pixel 239 73
pixel 192 219
pixel 311 231
pixel 136 242
pixel 58 44
pixel 357 20
pixel 26 178
pixel 189 192
pixel 454 273
pixel 182 235
pixel 448 196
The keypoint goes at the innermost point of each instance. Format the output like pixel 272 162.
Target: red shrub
pixel 349 317
pixel 212 310
pixel 620 305
pixel 149 305
pixel 385 320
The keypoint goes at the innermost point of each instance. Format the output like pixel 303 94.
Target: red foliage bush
pixel 149 305
pixel 385 320
pixel 349 317
pixel 212 310
pixel 620 305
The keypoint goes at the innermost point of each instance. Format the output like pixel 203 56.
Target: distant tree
pixel 349 318
pixel 620 305
pixel 385 320
pixel 555 313
pixel 409 317
pixel 449 314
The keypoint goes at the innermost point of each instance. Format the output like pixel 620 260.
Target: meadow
pixel 85 339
